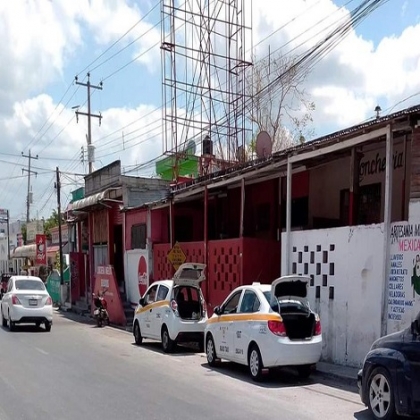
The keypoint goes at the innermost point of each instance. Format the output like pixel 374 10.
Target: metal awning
pixel 24 251
pixel 89 201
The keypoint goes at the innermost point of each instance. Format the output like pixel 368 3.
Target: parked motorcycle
pixel 101 312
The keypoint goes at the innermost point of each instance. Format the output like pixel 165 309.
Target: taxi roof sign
pixel 176 256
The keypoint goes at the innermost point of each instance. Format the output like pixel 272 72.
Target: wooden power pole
pixel 89 115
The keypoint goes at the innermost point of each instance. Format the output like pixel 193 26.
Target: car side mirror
pixel 415 328
pixel 141 301
pixel 217 310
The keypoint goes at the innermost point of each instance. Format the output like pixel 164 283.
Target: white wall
pixel 352 320
pixel 136 274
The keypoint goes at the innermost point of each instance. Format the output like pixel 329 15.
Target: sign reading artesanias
pixel 404 275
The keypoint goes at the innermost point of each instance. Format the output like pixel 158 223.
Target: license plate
pixel 33 302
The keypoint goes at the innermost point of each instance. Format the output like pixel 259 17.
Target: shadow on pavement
pixel 25 328
pixel 275 378
pixel 180 350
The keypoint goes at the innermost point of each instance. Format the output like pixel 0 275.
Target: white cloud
pixel 42 39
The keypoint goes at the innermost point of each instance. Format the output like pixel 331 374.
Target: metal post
pixel 8 242
pixel 60 239
pixel 288 215
pixel 387 229
pixel 241 226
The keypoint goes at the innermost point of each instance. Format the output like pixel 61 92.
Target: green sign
pixel 53 286
pixel 188 166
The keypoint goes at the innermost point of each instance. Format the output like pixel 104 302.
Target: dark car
pixel 389 382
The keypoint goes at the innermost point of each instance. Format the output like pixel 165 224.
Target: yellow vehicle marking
pixel 153 305
pixel 245 317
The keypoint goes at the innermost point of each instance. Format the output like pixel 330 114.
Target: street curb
pixel 344 379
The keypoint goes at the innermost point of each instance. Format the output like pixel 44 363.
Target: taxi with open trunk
pixel 266 326
pixel 173 311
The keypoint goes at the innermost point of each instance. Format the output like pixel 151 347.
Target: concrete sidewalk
pixel 340 373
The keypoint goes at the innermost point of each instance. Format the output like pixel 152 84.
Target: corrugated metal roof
pixel 309 145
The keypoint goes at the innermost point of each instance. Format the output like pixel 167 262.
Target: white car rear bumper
pixel 20 314
pixel 285 352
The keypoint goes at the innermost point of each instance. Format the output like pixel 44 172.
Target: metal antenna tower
pixel 204 64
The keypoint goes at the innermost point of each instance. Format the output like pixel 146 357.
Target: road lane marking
pixel 41 351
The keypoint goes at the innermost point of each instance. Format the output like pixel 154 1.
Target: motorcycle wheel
pixel 99 322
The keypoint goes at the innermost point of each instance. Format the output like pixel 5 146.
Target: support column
pixel 79 236
pixel 288 265
pixel 354 187
pixel 206 240
pixel 241 225
pixel 171 223
pixel 91 256
pixel 387 229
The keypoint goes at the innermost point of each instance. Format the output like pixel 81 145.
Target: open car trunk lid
pixel 190 274
pixel 291 293
pixel 290 286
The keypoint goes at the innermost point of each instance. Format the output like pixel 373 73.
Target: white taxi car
pixel 265 326
pixel 173 311
pixel 26 301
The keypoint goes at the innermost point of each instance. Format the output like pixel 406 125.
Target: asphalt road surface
pixel 81 372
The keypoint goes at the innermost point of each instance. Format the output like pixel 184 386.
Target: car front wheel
pixel 211 351
pixel 380 398
pixel 137 334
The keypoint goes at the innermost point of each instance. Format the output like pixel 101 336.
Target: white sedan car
pixel 26 301
pixel 173 311
pixel 265 326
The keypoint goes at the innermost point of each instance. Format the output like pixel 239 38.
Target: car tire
pixel 138 339
pixel 10 324
pixel 211 351
pixel 48 326
pixel 380 398
pixel 304 371
pixel 3 320
pixel 255 364
pixel 168 345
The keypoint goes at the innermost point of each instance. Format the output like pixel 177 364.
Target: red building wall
pixel 133 217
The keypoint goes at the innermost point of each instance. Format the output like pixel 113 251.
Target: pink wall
pixel 160 227
pixel 133 217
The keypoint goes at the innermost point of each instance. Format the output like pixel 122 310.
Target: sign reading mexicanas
pixel 41 250
pixel 176 256
pixel 404 275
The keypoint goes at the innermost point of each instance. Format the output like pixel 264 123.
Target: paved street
pixel 81 372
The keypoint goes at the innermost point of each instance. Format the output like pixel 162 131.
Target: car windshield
pixel 285 305
pixel 29 285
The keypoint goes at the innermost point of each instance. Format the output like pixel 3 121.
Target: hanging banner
pixel 41 250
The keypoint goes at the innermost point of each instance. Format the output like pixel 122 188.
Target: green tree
pixel 51 222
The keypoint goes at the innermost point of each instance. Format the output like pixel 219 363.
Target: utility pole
pixel 60 239
pixel 29 171
pixel 89 115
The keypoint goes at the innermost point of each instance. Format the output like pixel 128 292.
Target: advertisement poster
pixel 41 250
pixel 137 269
pixel 404 276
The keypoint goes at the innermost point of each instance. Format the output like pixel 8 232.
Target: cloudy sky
pixel 46 43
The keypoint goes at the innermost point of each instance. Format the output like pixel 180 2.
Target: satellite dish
pixel 191 147
pixel 263 145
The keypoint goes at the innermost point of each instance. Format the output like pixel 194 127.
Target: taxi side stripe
pixel 153 305
pixel 245 317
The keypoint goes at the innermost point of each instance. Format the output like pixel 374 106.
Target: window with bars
pixel 138 236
